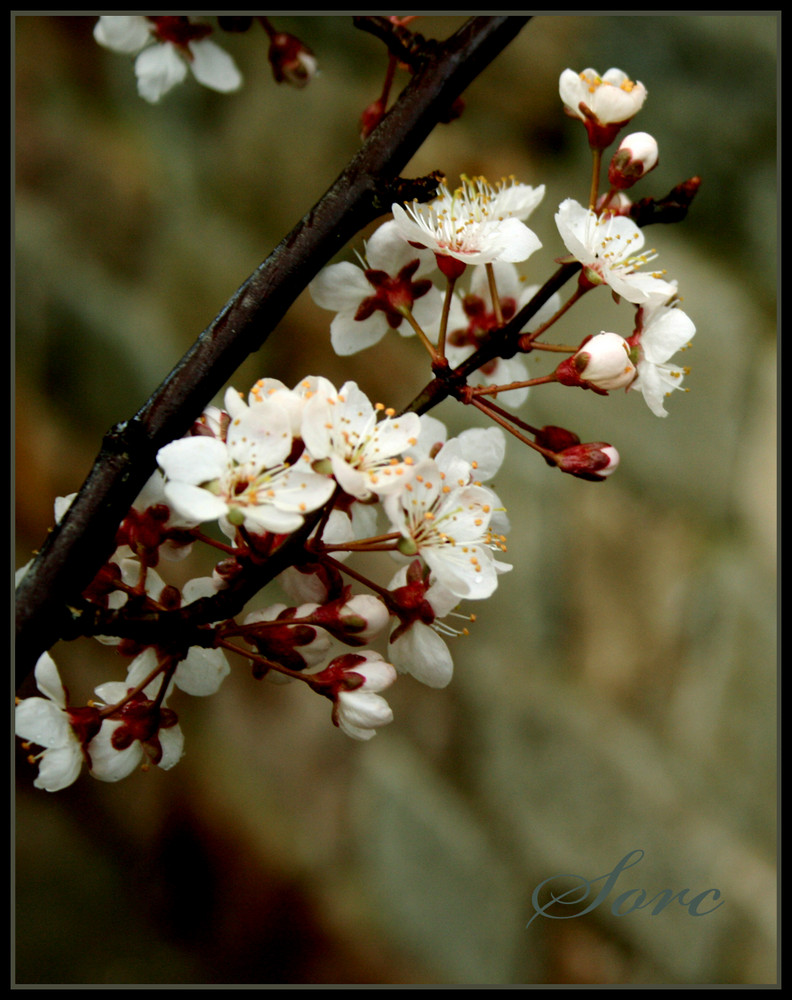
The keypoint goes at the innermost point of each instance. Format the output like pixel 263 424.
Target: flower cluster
pixel 324 471
pixel 301 486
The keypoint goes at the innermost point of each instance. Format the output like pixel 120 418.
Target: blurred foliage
pixel 618 693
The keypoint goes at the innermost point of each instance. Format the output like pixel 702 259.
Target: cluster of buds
pixel 304 484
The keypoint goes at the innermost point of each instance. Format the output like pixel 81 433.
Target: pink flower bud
pixel 636 156
pixel 594 461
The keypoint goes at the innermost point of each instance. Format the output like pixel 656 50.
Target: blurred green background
pixel 619 691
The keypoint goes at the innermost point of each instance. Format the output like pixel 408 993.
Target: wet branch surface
pixel 49 605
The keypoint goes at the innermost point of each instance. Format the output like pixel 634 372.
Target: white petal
pixel 172 743
pixel 387 251
pixel 202 672
pixel 48 680
pixel 122 33
pixel 360 711
pixel 111 692
pixel 195 503
pixel 517 240
pixel 466 571
pixel 421 652
pixel 107 763
pixel 340 287
pixel 665 334
pixel 349 335
pixel 214 67
pixel 158 69
pixel 41 722
pixel 261 436
pixel 59 767
pixel 193 460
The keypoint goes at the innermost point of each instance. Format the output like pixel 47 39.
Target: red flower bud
pixel 593 461
pixel 291 61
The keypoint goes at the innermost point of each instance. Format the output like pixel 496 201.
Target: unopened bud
pixel 637 155
pixel 602 363
pixel 594 461
pixel 556 438
pixel 292 61
pixel 353 620
pixel 365 615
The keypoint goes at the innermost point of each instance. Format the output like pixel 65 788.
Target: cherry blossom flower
pixel 144 731
pixel 247 479
pixel 604 103
pixel 416 644
pixel 663 331
pixel 152 529
pixel 201 672
pixel 47 723
pixel 353 682
pixel 168 46
pixel 609 248
pixel 473 457
pixel 374 298
pixel 449 528
pixel 474 224
pixel 362 451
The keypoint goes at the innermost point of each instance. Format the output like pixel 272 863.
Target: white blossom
pixel 449 527
pixel 360 711
pixel 372 299
pixel 610 249
pixel 363 451
pixel 604 361
pixel 245 480
pixel 113 762
pixel 665 330
pixel 610 99
pixel 474 224
pixel 417 647
pixel 46 723
pixel 168 47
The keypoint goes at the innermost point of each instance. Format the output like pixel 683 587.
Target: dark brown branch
pixel 407 46
pixel 76 549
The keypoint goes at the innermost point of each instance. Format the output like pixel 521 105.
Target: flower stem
pixel 430 347
pixel 444 318
pixel 496 302
pixel 596 158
